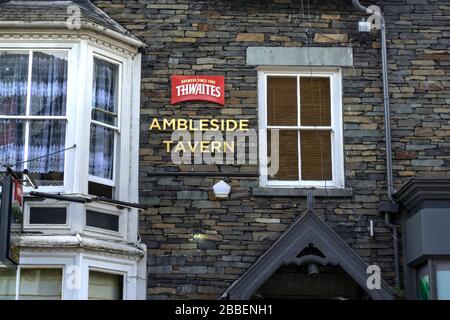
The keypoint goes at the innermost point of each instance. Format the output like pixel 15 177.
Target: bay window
pixel 66 274
pixel 46 283
pixel 43 113
pixel 301 126
pixel 62 120
pixel 33 99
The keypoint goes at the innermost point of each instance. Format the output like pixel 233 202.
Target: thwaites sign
pixel 198 88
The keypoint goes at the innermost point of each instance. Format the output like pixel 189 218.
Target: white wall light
pixel 221 189
pixel 364 26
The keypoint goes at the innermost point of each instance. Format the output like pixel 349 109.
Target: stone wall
pixel 198 246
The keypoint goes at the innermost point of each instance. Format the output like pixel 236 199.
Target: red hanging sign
pixel 198 88
pixel 18 192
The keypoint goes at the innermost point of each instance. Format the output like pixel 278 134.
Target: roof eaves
pixel 38 14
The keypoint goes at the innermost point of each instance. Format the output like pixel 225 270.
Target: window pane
pixel 7 284
pixel 13 82
pixel 101 152
pixel 40 284
pixel 443 280
pixel 47 136
pixel 12 140
pixel 287 154
pixel 315 103
pixel 100 190
pixel 102 220
pixel 282 101
pixel 315 153
pixel 105 286
pixel 49 83
pixel 104 92
pixel 46 215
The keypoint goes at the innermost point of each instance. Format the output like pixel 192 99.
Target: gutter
pixel 390 206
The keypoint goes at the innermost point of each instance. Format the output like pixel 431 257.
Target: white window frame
pixel 337 145
pixel 120 62
pixel 45 204
pixel 37 266
pixel 127 269
pixel 122 273
pixel 76 263
pixel 30 47
pixel 107 209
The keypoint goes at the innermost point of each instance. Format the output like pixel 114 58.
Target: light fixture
pixel 364 26
pixel 371 228
pixel 221 189
pixel 313 269
pixel 198 236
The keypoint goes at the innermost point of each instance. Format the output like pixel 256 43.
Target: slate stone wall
pixel 198 246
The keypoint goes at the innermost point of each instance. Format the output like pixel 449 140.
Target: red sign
pixel 198 88
pixel 18 192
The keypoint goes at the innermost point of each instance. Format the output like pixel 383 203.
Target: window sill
pixel 302 192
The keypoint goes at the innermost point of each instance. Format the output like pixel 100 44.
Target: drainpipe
pixel 391 207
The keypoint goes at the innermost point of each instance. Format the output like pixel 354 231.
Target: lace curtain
pixel 48 85
pixel 101 153
pixel 48 98
pixel 104 101
pixel 104 96
pixel 12 140
pixel 13 83
pixel 46 137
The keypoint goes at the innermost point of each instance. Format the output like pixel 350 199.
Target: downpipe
pixel 393 227
pixel 387 126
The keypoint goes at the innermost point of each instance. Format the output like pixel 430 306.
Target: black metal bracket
pixel 60 197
